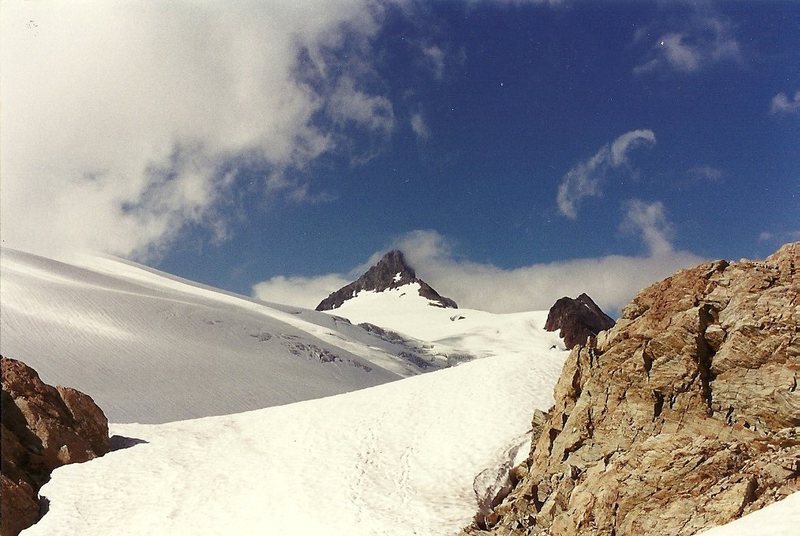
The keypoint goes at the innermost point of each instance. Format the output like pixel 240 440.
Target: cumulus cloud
pixel 611 280
pixel 783 104
pixel 585 179
pixel 705 38
pixel 120 120
pixel 420 126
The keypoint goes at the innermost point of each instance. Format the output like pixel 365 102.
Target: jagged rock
pixel 684 416
pixel 390 272
pixel 578 319
pixel 43 427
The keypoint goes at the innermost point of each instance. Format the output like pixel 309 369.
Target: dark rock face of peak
pixel 578 319
pixel 43 427
pixel 390 272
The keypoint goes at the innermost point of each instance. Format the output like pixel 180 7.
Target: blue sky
pixel 557 146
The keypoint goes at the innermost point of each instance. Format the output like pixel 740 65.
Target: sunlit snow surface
pixel 399 459
pixel 151 348
pixel 778 519
pixel 478 333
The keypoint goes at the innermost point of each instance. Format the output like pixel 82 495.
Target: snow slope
pixel 152 348
pixel 778 519
pixel 470 331
pixel 396 459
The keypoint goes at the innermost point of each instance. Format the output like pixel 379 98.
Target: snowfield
pixel 400 458
pixel 472 332
pixel 778 519
pixel 152 348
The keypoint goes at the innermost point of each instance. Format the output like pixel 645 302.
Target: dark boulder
pixel 578 319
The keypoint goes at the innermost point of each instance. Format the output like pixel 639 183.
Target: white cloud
pixel 118 118
pixel 585 179
pixel 782 104
pixel 649 220
pixel 765 236
pixel 420 127
pixel 300 291
pixel 435 57
pixel 704 39
pixel 780 237
pixel 611 281
pixel 348 104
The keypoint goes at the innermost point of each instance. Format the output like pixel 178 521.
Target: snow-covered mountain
pixel 410 456
pixel 415 456
pixel 391 296
pixel 390 272
pixel 150 347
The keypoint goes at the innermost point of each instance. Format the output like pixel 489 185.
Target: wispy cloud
pixel 783 104
pixel 705 173
pixel 611 280
pixel 300 291
pixel 435 58
pixel 349 104
pixel 585 179
pixel 779 236
pixel 420 127
pixel 704 38
pixel 294 188
pixel 650 221
pixel 119 135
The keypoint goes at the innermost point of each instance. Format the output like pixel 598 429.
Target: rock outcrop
pixel 684 416
pixel 43 427
pixel 390 272
pixel 578 319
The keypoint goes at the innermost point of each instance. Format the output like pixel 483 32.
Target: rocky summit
pixel 43 427
pixel 577 319
pixel 390 272
pixel 683 416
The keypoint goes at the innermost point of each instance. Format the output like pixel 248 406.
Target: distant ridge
pixel 390 272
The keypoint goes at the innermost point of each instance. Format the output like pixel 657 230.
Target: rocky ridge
pixel 577 319
pixel 685 415
pixel 390 272
pixel 43 427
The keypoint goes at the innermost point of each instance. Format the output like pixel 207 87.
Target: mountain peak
pixel 390 272
pixel 577 319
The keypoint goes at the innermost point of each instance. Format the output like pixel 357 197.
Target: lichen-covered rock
pixel 43 427
pixel 684 416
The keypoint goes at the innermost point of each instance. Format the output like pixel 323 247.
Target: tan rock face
pixel 43 427
pixel 684 416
